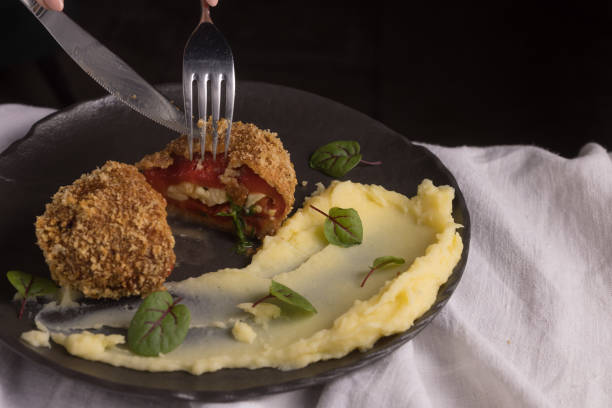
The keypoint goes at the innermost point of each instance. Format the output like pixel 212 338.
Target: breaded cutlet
pixel 251 150
pixel 106 234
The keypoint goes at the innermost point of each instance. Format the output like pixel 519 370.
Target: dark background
pixel 443 72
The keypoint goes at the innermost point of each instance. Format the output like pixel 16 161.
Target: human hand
pixel 58 5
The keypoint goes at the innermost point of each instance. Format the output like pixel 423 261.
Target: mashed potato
pixel 420 229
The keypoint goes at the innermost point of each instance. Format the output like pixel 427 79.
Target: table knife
pixel 108 70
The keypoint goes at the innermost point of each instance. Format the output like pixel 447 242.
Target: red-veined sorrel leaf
pixel 381 262
pixel 159 325
pixel 342 227
pixel 287 295
pixel 30 286
pixel 337 158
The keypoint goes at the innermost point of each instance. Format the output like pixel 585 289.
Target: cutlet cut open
pixel 257 176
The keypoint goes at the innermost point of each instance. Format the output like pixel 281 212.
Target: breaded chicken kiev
pixel 106 234
pixel 257 176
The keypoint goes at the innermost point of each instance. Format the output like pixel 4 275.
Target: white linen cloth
pixel 530 324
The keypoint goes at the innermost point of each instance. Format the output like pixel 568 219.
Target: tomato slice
pixel 256 184
pixel 206 174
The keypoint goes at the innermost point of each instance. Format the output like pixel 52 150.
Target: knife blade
pixel 108 70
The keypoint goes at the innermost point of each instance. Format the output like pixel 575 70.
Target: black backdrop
pixel 447 72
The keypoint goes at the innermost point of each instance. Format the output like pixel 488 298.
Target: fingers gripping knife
pixel 208 58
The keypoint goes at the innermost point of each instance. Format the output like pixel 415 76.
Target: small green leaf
pixel 159 325
pixel 381 262
pixel 386 260
pixel 336 158
pixel 30 286
pixel 244 245
pixel 284 294
pixel 343 227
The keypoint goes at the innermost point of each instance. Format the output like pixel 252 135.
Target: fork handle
pixel 205 12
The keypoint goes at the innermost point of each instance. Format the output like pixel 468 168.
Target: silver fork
pixel 208 57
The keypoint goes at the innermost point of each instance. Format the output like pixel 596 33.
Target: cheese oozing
pixel 208 196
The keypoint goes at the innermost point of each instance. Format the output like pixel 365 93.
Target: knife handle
pixel 36 9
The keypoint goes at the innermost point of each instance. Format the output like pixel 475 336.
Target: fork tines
pixel 208 58
pixel 216 80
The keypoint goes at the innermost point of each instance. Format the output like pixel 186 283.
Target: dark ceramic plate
pixel 64 145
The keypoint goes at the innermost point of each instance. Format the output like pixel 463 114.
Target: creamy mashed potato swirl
pixel 225 333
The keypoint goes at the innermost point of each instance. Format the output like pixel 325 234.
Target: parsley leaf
pixel 244 245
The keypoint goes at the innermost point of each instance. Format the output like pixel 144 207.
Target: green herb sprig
pixel 338 158
pixel 381 262
pixel 30 286
pixel 159 325
pixel 342 227
pixel 286 295
pixel 244 245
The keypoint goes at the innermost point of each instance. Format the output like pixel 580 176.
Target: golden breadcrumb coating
pixel 106 234
pixel 261 150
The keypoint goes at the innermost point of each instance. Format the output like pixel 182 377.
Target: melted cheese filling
pixel 208 196
pixel 225 333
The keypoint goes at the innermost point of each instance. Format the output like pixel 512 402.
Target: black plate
pixel 61 147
